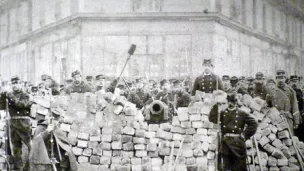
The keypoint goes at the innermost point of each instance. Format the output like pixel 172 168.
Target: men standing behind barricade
pixel 233 84
pixel 140 97
pixel 226 83
pixel 208 81
pixel 78 86
pixel 293 118
pixel 259 89
pixel 234 134
pixel 19 104
pixel 187 86
pixel 41 153
pixel 165 95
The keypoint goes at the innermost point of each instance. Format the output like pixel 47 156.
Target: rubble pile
pixel 109 133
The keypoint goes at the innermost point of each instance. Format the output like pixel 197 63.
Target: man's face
pixel 151 85
pixel 226 84
pixel 281 81
pixel 16 86
pixel 177 88
pixel 243 84
pixel 259 81
pixel 294 83
pixel 100 82
pixel 271 86
pixel 166 86
pixel 207 69
pixel 90 81
pixel 77 79
pixel 140 85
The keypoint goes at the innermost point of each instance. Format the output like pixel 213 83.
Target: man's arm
pixel 213 114
pixel 252 126
pixel 195 87
pixel 294 108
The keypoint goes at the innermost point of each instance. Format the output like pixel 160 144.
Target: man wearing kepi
pixel 292 116
pixel 234 133
pixel 78 86
pixel 19 105
pixel 208 81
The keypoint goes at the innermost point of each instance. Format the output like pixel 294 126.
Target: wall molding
pixel 158 16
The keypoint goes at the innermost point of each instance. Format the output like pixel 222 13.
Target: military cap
pixel 34 89
pixel 280 77
pixel 164 81
pixel 100 77
pixel 172 80
pixel 294 78
pixel 48 77
pixel 75 73
pixel 42 122
pixel 207 62
pixel 68 80
pixel 121 86
pixel 225 77
pixel 61 86
pixel 43 77
pixel 250 79
pixel 271 81
pixel 139 80
pixel 259 75
pixel 242 78
pixel 176 82
pixel 89 78
pixel 281 72
pixel 151 81
pixel 234 79
pixel 15 79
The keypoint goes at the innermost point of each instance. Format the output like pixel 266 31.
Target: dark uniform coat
pixel 233 148
pixel 182 99
pixel 80 88
pixel 140 98
pixel 18 106
pixel 259 92
pixel 294 110
pixel 207 84
pixel 299 131
pixel 41 151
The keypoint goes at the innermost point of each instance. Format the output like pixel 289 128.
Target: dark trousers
pixel 20 132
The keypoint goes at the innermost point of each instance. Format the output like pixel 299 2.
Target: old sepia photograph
pixel 151 85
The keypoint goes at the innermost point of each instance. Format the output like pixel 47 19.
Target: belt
pixel 232 135
pixel 20 117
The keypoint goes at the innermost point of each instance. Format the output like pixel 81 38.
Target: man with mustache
pixel 208 81
pixel 78 86
pixel 259 88
pixel 234 133
pixel 293 115
pixel 226 82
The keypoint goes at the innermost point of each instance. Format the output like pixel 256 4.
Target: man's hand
pixel 296 126
pixel 50 128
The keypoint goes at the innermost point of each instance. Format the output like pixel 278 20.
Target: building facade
pixel 56 37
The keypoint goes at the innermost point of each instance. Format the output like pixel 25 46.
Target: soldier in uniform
pixel 260 88
pixel 100 82
pixel 165 95
pixel 226 82
pixel 233 85
pixel 277 98
pixel 251 86
pixel 208 81
pixel 19 105
pixel 181 97
pixel 242 78
pixel 78 85
pixel 51 86
pixel 140 97
pixel 90 81
pixel 293 118
pixel 234 134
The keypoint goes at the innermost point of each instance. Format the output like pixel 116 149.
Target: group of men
pixel 285 95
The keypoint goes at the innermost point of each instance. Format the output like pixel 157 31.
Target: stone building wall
pixel 172 37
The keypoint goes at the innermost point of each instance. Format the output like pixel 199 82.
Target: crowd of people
pixel 281 92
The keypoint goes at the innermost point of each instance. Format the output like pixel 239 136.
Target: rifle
pixel 53 159
pixel 8 146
